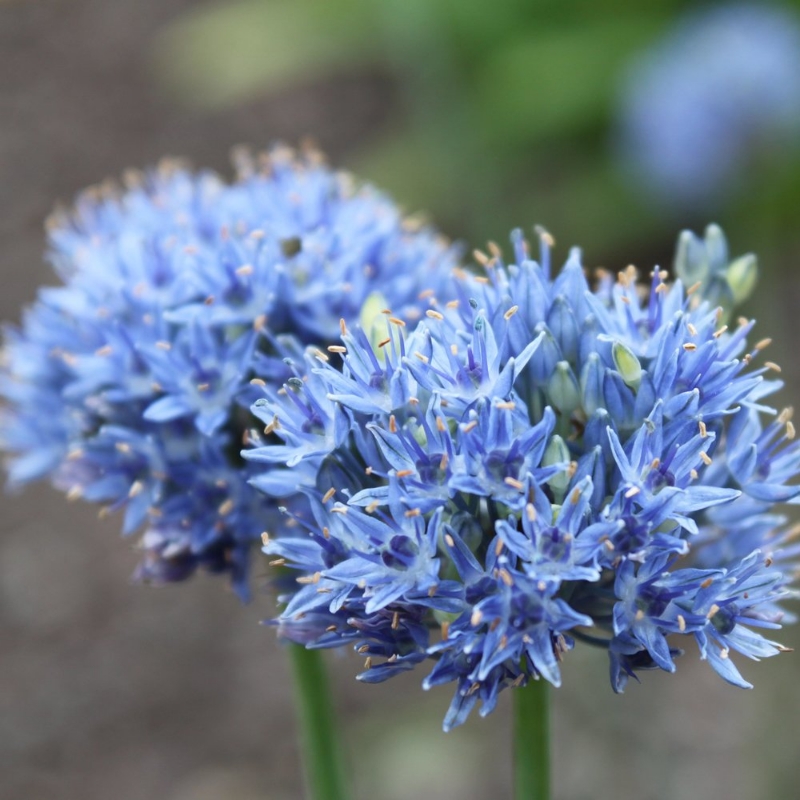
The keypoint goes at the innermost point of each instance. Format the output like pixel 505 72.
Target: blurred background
pixel 612 123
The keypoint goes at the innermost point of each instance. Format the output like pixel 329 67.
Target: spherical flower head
pixel 722 89
pixel 543 459
pixel 129 383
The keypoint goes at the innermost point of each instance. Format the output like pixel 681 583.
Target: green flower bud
pixel 741 276
pixel 627 365
pixel 563 390
pixel 557 452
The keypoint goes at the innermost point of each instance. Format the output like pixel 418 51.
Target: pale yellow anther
pixel 225 508
pixel 480 257
pixel 693 288
pixel 328 495
pixel 510 313
pixel 505 576
pixel 434 314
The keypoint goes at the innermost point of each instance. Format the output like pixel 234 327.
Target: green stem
pixel 319 739
pixel 532 741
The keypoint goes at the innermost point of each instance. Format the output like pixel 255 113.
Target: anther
pixel 226 507
pixel 693 288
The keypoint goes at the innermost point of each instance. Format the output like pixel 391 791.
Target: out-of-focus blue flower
pixel 129 385
pixel 719 93
pixel 540 460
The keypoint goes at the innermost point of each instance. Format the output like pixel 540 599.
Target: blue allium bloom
pixel 129 385
pixel 542 459
pixel 719 92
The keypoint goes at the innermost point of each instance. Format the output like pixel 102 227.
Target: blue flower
pixel 130 383
pixel 540 461
pixel 720 91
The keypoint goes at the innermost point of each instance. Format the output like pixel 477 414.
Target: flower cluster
pixel 721 90
pixel 539 460
pixel 129 385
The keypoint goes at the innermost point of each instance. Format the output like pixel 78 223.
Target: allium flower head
pixel 129 384
pixel 543 459
pixel 721 90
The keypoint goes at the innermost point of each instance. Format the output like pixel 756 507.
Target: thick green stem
pixel 532 741
pixel 319 739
